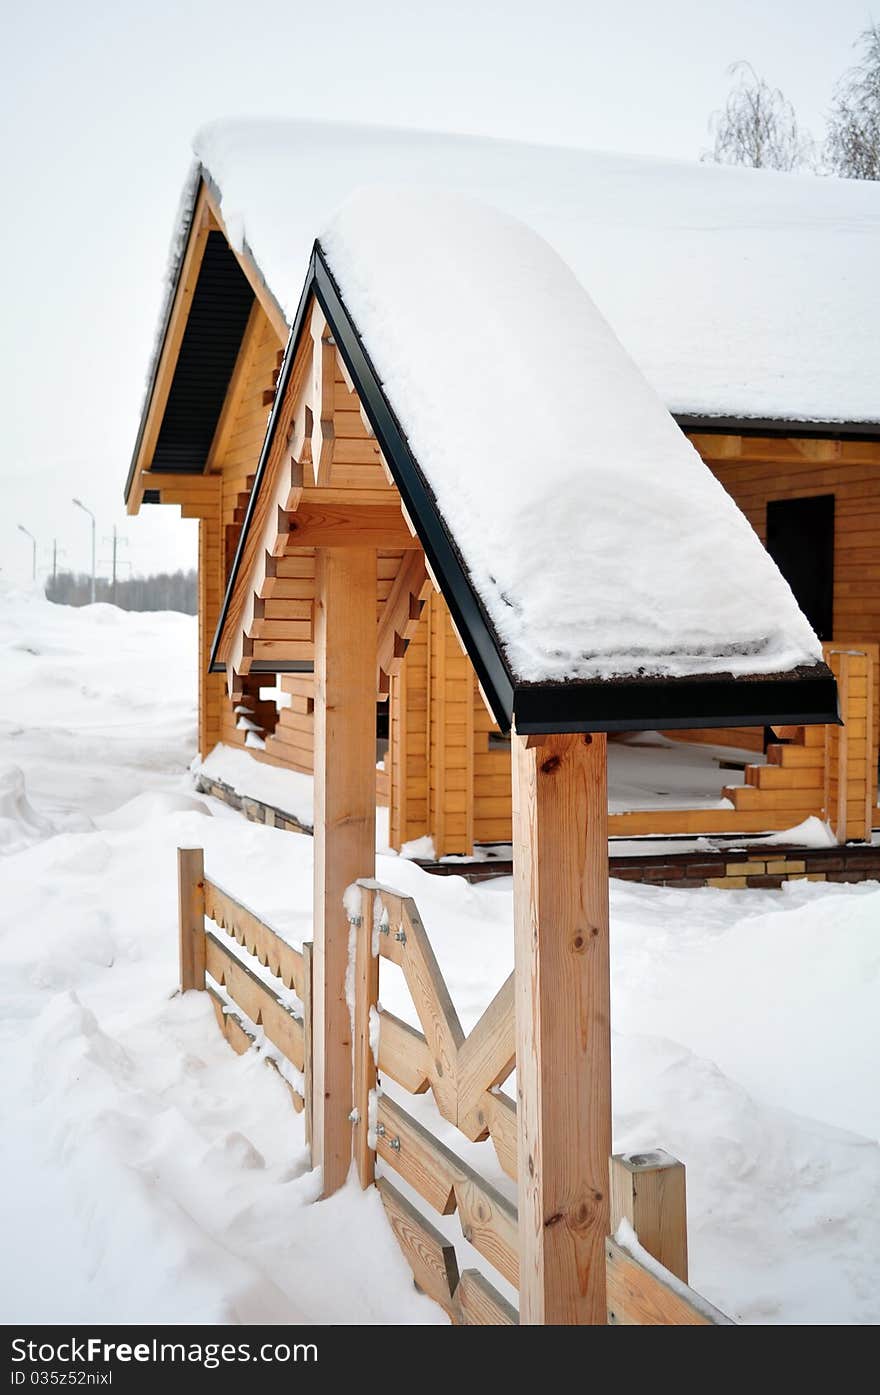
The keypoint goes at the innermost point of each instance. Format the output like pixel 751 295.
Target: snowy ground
pixel 147 1173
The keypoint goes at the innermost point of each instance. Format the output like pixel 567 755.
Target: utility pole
pixel 116 562
pixel 81 505
pixel 29 534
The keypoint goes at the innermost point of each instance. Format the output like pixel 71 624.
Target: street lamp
pixel 22 529
pixel 80 505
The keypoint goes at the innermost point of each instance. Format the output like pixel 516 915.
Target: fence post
pixel 366 997
pixel 648 1190
pixel 307 1040
pixel 191 907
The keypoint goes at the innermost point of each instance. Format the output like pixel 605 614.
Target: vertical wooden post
pixel 211 685
pixel 366 998
pixel 345 825
pixel 191 910
pixel 648 1190
pixel 563 1053
pixel 308 1090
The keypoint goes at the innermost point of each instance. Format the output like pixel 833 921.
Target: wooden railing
pixel 646 1260
pixel 243 1002
pixel 645 1284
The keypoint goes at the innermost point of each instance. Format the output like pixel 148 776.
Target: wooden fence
pixel 244 1003
pixel 646 1277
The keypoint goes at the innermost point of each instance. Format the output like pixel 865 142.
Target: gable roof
pixel 598 574
pixel 740 294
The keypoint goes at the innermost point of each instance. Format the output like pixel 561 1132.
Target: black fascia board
pixel 804 697
pixel 778 426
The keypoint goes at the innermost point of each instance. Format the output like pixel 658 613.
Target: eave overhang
pixel 802 697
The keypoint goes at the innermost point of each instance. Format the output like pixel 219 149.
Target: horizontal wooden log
pixel 332 526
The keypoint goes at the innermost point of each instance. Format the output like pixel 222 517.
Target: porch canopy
pixel 598 575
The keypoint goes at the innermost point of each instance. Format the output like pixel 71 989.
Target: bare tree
pixel 852 148
pixel 758 127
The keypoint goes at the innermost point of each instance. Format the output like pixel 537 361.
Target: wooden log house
pixel 783 409
pixel 553 674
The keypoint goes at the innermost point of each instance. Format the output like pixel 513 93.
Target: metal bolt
pixel 380 1130
pixel 395 1144
pixel 400 936
pixel 356 920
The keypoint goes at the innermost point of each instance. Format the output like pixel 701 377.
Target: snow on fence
pixel 646 1258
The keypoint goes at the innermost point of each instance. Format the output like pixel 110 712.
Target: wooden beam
pixel 560 854
pixel 345 825
pixel 331 525
pixel 648 1190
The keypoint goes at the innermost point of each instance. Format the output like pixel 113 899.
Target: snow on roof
pixel 739 293
pixel 599 543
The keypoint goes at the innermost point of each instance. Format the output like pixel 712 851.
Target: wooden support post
pixel 366 1000
pixel 648 1190
pixel 563 1053
pixel 345 826
pixel 191 904
pixel 308 1091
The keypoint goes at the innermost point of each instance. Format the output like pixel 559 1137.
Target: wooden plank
pixel 429 1255
pixel 486 1058
pixel 407 945
pixel 366 999
pixel 488 1219
pixel 345 824
pixel 648 1190
pixel 306 995
pixel 256 1000
pixel 560 854
pixel 403 1054
pixel 478 1304
pixel 639 1298
pixel 333 525
pixel 258 938
pixel 191 916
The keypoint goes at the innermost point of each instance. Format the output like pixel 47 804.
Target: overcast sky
pixel 99 102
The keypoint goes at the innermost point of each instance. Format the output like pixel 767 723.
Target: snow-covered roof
pixel 739 293
pixel 599 544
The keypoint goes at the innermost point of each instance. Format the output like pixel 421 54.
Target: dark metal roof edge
pixel 798 699
pixel 198 178
pixel 779 426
